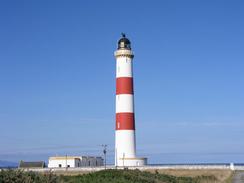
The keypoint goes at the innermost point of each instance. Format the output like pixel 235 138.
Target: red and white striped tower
pixel 125 140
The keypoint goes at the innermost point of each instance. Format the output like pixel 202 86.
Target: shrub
pixel 19 176
pixel 104 176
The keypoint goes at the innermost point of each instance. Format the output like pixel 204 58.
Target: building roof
pixel 33 164
pixel 73 157
pixel 64 157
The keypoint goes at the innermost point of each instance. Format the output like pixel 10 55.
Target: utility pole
pixel 66 162
pixel 116 161
pixel 104 152
pixel 124 160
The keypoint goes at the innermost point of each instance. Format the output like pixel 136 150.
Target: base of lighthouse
pixel 128 162
pixel 125 152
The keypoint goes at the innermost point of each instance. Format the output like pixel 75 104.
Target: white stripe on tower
pixel 124 103
pixel 124 67
pixel 125 144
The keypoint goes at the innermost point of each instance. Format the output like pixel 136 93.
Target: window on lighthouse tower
pixel 127 46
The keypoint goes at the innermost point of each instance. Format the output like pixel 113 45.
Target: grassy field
pixel 222 176
pixel 120 176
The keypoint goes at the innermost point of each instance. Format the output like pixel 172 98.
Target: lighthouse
pixel 125 137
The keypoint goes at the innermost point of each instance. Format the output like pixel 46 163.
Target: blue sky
pixel 57 76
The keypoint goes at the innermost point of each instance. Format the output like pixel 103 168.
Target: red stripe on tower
pixel 125 121
pixel 124 85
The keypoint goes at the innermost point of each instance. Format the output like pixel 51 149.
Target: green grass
pixel 133 176
pixel 18 176
pixel 229 179
pixel 104 176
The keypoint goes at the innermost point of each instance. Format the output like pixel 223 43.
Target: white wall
pixel 56 163
pixel 83 162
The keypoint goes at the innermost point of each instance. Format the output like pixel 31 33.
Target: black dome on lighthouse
pixel 124 43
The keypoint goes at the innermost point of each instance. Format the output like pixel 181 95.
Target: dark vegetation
pixel 18 176
pixel 105 176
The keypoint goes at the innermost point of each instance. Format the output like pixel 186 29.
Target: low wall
pixel 153 167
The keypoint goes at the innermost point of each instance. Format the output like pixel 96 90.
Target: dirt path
pixel 238 177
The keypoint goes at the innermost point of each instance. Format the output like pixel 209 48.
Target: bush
pixel 19 176
pixel 104 176
pixel 132 176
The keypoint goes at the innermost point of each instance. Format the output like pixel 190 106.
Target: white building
pixel 74 161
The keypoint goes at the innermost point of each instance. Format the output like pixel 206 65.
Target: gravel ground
pixel 238 177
